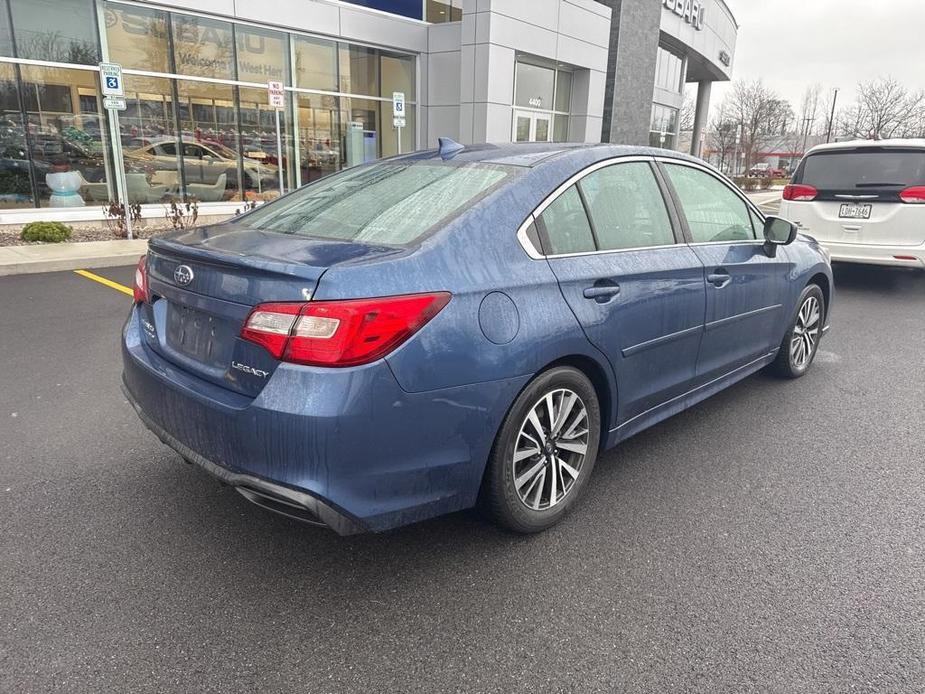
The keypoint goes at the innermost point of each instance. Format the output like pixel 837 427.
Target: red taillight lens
pixel 914 195
pixel 799 193
pixel 340 333
pixel 140 287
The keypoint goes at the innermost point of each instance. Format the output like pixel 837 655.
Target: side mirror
pixel 778 232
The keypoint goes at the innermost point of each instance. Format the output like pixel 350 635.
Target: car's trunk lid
pixel 204 283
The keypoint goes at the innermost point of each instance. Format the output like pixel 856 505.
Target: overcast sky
pixel 837 43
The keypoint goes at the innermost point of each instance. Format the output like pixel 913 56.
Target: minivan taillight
pixel 798 192
pixel 340 333
pixel 140 286
pixel 914 195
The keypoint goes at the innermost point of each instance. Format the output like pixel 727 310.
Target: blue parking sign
pixel 111 79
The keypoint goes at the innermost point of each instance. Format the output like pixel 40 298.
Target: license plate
pixel 854 211
pixel 191 332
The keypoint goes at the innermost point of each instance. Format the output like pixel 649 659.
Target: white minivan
pixel 864 201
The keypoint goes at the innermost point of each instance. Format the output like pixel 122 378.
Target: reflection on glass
pixel 359 73
pixel 149 140
pixel 319 136
pixel 137 37
pixel 203 47
pixel 67 134
pixel 389 137
pixel 62 31
pixel 262 158
pixel 523 129
pixel 15 181
pixel 262 54
pixel 542 130
pixel 563 91
pixel 6 37
pixel 209 137
pixel 560 128
pixel 315 64
pixel 439 11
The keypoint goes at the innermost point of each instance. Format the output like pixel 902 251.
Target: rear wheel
pixel 800 344
pixel 544 453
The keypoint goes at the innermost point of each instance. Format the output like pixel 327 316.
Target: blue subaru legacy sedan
pixel 468 325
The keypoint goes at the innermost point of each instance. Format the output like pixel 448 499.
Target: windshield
pixel 390 203
pixel 864 169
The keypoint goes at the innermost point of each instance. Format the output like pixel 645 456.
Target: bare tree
pixel 884 109
pixel 722 137
pixel 688 112
pixel 759 114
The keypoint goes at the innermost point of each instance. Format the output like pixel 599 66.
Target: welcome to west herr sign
pixel 691 11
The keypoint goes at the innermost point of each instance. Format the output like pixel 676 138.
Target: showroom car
pixel 414 336
pixel 864 201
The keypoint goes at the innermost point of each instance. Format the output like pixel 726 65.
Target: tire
pixel 531 507
pixel 801 342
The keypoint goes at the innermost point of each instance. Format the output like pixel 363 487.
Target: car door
pixel 635 287
pixel 745 287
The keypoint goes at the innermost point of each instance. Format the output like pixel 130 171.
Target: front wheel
pixel 544 452
pixel 800 344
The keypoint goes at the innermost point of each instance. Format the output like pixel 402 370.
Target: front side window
pixel 390 203
pixel 714 212
pixel 566 225
pixel 627 207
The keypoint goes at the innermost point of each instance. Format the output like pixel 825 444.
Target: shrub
pixel 766 183
pixel 52 232
pixel 745 183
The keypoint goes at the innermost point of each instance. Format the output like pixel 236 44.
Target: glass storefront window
pixel 258 145
pixel 67 135
pixel 15 166
pixel 535 86
pixel 360 130
pixel 203 47
pixel 6 36
pixel 359 70
pixel 210 143
pixel 664 126
pixel 137 37
pixel 263 55
pixel 319 136
pixel 62 31
pixel 668 69
pixel 563 91
pixel 560 129
pixel 440 11
pixel 315 64
pixel 150 143
pixel 397 76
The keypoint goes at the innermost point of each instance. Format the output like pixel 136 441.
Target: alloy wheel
pixel 806 332
pixel 550 450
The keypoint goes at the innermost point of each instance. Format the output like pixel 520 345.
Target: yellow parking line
pixel 102 280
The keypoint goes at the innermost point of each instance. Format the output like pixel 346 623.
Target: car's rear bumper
pixel 870 254
pixel 347 448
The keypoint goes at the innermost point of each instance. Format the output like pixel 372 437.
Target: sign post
pixel 113 91
pixel 398 114
pixel 277 98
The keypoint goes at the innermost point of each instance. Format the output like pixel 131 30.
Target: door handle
pixel 719 279
pixel 602 291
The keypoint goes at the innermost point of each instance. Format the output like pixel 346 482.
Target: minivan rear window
pixel 877 168
pixel 389 203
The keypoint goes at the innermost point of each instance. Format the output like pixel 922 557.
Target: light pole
pixel 807 122
pixel 828 135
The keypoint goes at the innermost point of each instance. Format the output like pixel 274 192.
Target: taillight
pixel 914 195
pixel 799 192
pixel 140 287
pixel 340 333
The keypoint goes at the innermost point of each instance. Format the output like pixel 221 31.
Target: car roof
pixel 533 154
pixel 869 144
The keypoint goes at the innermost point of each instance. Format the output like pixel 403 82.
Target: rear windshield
pixel 390 203
pixel 864 169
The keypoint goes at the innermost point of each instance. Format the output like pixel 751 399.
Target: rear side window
pixel 627 207
pixel 391 203
pixel 566 225
pixel 714 212
pixel 851 169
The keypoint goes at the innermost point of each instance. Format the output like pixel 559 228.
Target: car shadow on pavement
pixel 896 280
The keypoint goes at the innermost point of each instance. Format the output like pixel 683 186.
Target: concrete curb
pixel 56 257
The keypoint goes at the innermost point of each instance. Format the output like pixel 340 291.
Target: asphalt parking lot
pixel 771 539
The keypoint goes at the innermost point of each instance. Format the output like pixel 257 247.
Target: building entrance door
pixel 530 126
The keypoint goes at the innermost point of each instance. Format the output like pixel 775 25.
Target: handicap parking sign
pixel 111 79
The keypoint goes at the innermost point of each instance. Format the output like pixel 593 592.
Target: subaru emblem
pixel 183 275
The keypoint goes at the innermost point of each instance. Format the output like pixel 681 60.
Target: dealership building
pixel 197 117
